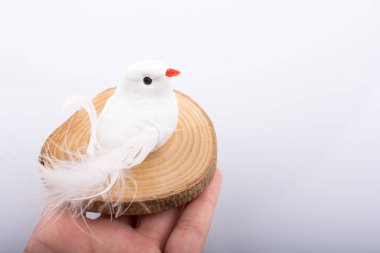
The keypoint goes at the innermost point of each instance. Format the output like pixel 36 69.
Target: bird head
pixel 147 77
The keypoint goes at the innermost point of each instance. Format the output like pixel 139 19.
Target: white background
pixel 291 86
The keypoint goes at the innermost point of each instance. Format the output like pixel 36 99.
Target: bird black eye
pixel 147 80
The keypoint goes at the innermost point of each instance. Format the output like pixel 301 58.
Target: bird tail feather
pixel 89 107
pixel 85 178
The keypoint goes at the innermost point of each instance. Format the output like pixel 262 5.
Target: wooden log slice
pixel 169 177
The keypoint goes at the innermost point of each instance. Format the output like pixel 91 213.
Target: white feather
pixel 85 178
pixel 89 107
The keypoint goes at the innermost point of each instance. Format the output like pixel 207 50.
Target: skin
pixel 176 230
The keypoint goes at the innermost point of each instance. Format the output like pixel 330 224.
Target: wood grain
pixel 169 177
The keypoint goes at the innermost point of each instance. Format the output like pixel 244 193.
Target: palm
pixel 175 230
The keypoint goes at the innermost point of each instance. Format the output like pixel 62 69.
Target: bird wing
pixel 140 146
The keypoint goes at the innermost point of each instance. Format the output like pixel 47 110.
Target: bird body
pixel 137 119
pixel 127 115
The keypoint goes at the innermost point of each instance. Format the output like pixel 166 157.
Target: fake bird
pixel 137 119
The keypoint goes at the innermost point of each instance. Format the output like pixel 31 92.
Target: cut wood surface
pixel 169 177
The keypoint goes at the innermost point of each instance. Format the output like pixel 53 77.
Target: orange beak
pixel 172 72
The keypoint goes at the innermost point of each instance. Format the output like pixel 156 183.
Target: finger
pixel 158 227
pixel 190 233
pixel 54 231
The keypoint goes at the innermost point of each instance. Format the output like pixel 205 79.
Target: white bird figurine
pixel 137 119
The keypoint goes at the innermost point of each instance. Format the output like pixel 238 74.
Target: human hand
pixel 175 230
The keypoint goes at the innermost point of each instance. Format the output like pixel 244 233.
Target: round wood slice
pixel 169 177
